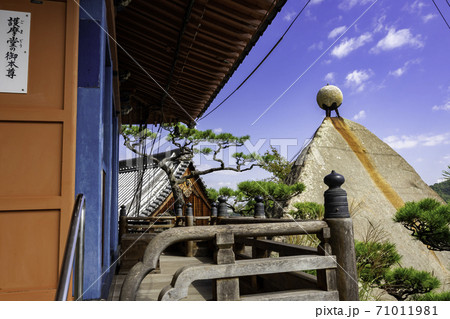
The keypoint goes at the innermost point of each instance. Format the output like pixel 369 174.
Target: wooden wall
pixel 37 155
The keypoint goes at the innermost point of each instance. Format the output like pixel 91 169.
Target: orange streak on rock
pixel 367 162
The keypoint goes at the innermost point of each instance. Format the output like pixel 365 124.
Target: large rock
pixel 378 182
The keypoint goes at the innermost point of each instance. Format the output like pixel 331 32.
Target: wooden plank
pixel 186 275
pixel 180 234
pixel 294 295
pixel 284 249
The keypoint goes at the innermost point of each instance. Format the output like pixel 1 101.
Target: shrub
pixel 429 222
pixel 307 210
pixel 403 282
pixel 432 296
pixel 373 260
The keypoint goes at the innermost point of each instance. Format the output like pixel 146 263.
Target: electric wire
pixel 441 13
pixel 259 64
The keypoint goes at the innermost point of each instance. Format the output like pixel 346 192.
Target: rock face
pixel 378 182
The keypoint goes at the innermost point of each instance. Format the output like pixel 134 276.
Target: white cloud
pixel 330 77
pixel 428 17
pixel 218 130
pixel 378 25
pixel 316 1
pixel 316 46
pixel 400 71
pixel 360 116
pixel 289 16
pixel 336 32
pixel 415 7
pixel 410 141
pixel 349 45
pixel 443 107
pixel 348 4
pixel 357 79
pixel 396 39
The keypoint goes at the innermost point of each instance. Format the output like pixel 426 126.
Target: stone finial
pixel 189 210
pixel 334 179
pixel 259 207
pixel 214 209
pixel 223 209
pixel 178 210
pixel 336 205
pixel 123 211
pixel 329 98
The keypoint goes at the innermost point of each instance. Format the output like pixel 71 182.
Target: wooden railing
pixel 333 259
pixel 224 238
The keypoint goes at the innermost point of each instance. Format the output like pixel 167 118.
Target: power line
pixel 260 63
pixel 315 61
pixel 441 13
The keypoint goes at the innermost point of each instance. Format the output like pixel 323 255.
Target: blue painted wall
pixel 97 150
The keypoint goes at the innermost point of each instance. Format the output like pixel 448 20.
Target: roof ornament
pixel 329 98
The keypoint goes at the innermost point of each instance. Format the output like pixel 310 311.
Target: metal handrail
pixel 74 251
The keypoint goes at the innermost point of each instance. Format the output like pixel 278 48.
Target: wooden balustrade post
pixel 225 289
pixel 123 225
pixel 178 214
pixel 326 278
pixel 223 209
pixel 213 219
pixel 259 207
pixel 189 223
pixel 259 213
pixel 341 239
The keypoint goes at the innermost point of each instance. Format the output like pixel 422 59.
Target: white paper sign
pixel 14 51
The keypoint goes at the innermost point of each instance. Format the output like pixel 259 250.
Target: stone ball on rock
pixel 329 97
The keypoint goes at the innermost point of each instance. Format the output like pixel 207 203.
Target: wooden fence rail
pixel 334 258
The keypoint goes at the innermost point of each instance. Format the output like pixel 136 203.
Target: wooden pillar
pixel 225 289
pixel 341 237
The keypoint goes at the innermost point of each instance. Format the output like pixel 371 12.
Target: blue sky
pixel 392 66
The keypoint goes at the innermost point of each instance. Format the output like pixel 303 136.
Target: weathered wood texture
pixel 343 246
pixel 294 295
pixel 174 235
pixel 186 275
pixel 225 289
pixel 283 249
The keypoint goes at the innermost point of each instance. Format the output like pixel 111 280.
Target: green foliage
pixel 373 259
pixel 443 190
pixel 432 296
pixel 307 210
pixel 429 222
pixel 277 165
pixel 273 193
pixel 137 133
pixel 403 282
pixel 446 173
pixel 242 201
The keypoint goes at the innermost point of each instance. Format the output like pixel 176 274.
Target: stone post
pixel 189 223
pixel 341 238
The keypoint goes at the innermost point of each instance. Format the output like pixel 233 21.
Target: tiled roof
pixel 155 185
